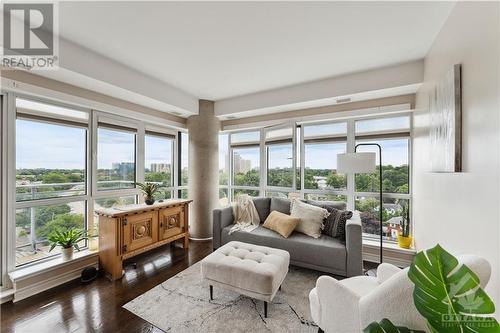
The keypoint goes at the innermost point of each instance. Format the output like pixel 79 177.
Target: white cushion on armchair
pixel 349 305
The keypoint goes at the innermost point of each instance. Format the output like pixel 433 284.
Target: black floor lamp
pixel 364 163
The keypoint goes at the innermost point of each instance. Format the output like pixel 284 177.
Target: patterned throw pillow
pixel 343 216
pixel 334 224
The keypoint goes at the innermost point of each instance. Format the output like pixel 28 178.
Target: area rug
pixel 182 304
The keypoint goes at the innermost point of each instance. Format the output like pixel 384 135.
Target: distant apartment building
pixel 241 165
pixel 124 168
pixel 160 167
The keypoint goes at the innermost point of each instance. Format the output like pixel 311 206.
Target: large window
pixel 246 168
pixel 51 176
pixel 184 163
pixel 69 161
pixel 280 157
pixel 159 165
pixel 321 144
pixel 50 159
pixel 393 135
pixel 244 149
pixel 280 165
pixel 301 160
pixel 223 170
pixel 115 158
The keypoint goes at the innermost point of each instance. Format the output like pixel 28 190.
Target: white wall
pixel 461 211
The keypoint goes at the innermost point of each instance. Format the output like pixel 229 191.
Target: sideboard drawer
pixel 171 222
pixel 139 231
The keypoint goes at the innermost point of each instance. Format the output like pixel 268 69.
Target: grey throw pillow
pixel 281 205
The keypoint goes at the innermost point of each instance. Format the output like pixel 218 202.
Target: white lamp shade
pixel 356 162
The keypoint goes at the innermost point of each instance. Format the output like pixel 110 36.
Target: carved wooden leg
pixel 186 242
pixel 211 292
pixel 265 309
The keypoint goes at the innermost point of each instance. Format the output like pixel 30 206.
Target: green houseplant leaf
pixel 449 296
pixel 386 326
pixel 66 238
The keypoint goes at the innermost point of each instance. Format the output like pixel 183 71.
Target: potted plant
pixel 67 240
pixel 148 189
pixel 404 238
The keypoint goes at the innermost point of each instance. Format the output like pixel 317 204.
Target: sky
pixel 43 145
pixel 320 156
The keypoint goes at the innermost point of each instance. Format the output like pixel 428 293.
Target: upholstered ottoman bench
pixel 251 270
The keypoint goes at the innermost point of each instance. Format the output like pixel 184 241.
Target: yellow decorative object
pixel 404 242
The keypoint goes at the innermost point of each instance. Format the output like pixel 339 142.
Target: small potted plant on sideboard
pixel 404 237
pixel 148 190
pixel 67 240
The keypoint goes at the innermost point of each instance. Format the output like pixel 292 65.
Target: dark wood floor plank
pixel 97 307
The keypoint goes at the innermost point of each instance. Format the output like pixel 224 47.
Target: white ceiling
pixel 221 50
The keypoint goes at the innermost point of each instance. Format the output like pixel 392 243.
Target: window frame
pixel 13 115
pixel 9 205
pixel 299 143
pixel 171 136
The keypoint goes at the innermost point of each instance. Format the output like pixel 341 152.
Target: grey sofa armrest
pixel 354 246
pixel 222 218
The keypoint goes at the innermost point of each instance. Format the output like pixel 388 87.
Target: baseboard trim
pixel 36 282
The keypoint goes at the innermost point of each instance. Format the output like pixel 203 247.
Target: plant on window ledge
pixel 148 190
pixel 67 240
pixel 404 238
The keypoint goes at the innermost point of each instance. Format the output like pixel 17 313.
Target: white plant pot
pixel 67 254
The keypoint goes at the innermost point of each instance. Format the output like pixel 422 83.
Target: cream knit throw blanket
pixel 246 216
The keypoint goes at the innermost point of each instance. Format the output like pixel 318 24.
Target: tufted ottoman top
pixel 247 267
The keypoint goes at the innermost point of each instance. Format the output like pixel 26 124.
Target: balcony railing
pixel 37 191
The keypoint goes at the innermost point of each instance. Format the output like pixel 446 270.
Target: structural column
pixel 203 183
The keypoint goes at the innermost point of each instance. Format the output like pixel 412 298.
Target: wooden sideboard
pixel 127 231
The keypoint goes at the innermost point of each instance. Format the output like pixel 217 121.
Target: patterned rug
pixel 182 304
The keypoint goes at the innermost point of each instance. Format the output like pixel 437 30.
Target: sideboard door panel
pixel 171 222
pixel 139 230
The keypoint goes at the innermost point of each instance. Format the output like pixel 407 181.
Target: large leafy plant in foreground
pixel 448 295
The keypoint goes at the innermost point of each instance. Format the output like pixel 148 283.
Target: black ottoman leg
pixel 265 309
pixel 211 292
pixel 320 330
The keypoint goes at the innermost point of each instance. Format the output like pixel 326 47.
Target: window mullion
pixel 351 178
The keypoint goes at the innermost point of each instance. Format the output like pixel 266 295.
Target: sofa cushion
pixel 311 218
pixel 325 251
pixel 334 224
pixel 281 205
pixel 281 223
pixel 262 205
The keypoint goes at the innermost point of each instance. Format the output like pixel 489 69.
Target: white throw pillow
pixel 311 218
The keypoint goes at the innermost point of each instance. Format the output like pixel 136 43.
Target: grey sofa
pixel 326 254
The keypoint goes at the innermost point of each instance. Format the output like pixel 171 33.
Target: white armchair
pixel 349 305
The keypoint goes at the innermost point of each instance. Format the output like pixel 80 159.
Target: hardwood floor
pixel 97 307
